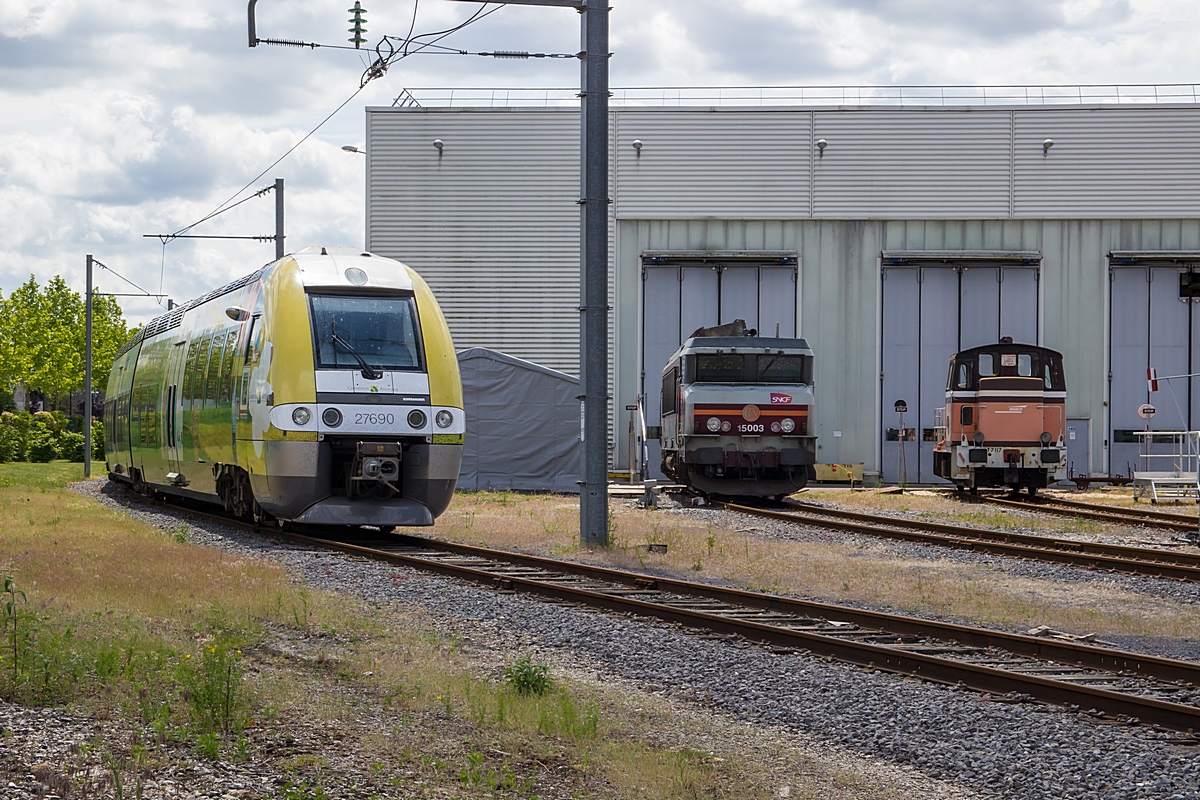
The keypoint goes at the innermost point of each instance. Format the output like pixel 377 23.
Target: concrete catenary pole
pixel 87 373
pixel 593 495
pixel 278 218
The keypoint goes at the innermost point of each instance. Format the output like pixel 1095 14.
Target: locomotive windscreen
pixel 748 368
pixel 967 368
pixel 380 330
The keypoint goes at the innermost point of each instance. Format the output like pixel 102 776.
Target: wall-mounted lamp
pixel 1046 145
pixel 821 145
pixel 637 147
pixel 439 144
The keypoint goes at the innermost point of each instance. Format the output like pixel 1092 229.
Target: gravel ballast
pixel 996 749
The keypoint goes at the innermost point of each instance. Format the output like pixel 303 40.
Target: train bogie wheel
pixel 1032 492
pixel 974 491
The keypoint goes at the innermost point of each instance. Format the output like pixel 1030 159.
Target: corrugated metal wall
pixel 1115 162
pixel 702 163
pixel 490 221
pixel 494 228
pixel 881 164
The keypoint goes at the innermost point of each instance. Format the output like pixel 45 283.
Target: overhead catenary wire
pixel 375 70
pixel 144 293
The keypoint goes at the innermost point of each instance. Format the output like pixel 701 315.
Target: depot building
pixel 889 237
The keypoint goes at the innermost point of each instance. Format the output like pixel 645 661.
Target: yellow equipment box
pixel 839 472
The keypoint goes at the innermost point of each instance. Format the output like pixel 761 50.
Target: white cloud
pixel 123 119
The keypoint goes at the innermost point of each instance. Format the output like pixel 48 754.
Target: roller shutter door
pixel 1152 324
pixel 681 293
pixel 934 307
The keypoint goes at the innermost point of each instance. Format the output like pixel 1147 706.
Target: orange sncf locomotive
pixel 1005 418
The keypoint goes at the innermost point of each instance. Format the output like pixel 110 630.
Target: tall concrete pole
pixel 593 283
pixel 87 374
pixel 278 218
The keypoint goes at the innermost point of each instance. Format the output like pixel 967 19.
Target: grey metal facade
pixel 491 222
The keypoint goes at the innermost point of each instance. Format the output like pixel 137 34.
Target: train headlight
pixel 1046 438
pixel 444 419
pixel 775 427
pixel 978 438
pixel 331 417
pixel 301 416
pixel 726 427
pixel 788 425
pixel 714 424
pixel 416 419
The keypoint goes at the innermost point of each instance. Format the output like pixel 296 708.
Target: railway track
pixel 1178 523
pixel 1158 563
pixel 1098 681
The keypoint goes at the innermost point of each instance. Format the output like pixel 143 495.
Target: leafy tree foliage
pixel 42 337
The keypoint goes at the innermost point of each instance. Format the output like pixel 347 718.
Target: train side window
pixel 670 381
pixel 197 386
pixel 189 370
pixel 1024 365
pixel 987 365
pixel 152 412
pixel 214 369
pixel 252 343
pixel 964 375
pixel 1047 377
pixel 227 366
pixel 966 416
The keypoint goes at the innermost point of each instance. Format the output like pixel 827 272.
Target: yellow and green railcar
pixel 322 389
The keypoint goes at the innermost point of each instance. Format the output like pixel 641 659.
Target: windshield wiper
pixel 368 372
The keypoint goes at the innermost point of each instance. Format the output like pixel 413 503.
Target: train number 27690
pixel 374 419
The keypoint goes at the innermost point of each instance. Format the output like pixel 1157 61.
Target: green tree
pixel 42 338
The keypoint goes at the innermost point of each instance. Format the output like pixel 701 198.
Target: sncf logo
pixel 780 399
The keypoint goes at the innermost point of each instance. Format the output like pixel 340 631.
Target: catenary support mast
pixel 593 279
pixel 87 374
pixel 593 268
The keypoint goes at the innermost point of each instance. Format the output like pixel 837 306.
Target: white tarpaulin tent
pixel 522 424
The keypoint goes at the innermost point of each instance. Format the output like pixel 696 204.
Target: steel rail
pixel 422 554
pixel 1176 716
pixel 1191 522
pixel 1091 555
pixel 1173 522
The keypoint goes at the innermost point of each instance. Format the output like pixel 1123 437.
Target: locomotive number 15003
pixel 746 427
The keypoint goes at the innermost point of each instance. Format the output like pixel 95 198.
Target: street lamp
pixel 349 148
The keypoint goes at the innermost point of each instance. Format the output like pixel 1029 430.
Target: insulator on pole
pixel 358 21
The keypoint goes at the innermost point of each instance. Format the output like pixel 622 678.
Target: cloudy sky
pixel 122 119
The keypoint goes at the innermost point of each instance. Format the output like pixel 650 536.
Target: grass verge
pixel 196 655
pixel 866 570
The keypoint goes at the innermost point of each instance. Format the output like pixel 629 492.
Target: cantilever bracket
pixel 250 23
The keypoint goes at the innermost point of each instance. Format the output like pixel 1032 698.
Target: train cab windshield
pixel 350 330
pixel 748 368
pixel 967 368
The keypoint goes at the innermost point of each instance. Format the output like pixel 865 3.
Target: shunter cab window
pixel 987 365
pixel 381 330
